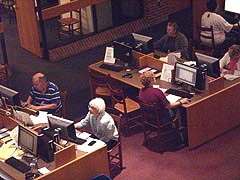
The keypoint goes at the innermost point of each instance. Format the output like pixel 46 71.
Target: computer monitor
pixel 28 140
pixel 185 74
pixel 213 68
pixel 232 6
pixel 67 129
pixel 11 97
pixel 122 52
pixel 143 43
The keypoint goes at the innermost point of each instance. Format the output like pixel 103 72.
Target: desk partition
pixel 218 105
pixel 69 163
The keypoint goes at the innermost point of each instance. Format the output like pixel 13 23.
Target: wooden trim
pixel 65 155
pixel 64 8
pixel 216 85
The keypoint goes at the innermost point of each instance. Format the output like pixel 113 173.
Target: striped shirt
pixel 51 96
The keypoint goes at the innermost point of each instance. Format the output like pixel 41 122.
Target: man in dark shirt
pixel 173 41
pixel 44 95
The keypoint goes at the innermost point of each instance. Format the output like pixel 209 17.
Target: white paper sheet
pixel 167 72
pixel 109 56
pixel 41 118
pixel 172 98
pixel 86 148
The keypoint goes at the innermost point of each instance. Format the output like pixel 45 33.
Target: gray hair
pixel 98 103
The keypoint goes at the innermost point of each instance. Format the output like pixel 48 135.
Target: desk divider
pixel 151 62
pixel 65 155
pixel 215 85
pixel 136 56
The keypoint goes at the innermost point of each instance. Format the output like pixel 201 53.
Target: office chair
pixel 126 106
pixel 155 131
pixel 115 159
pixel 99 87
pixel 63 95
pixel 4 74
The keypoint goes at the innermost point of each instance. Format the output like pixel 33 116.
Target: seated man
pixel 150 95
pixel 101 123
pixel 44 95
pixel 231 60
pixel 173 41
pixel 220 26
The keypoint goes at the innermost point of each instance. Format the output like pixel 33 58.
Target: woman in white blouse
pixel 230 62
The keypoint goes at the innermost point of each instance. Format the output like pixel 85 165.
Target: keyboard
pixel 78 141
pixel 179 93
pixel 17 164
pixel 112 67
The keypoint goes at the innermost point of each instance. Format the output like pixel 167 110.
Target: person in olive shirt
pixel 173 41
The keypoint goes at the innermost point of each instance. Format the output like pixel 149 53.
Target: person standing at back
pixel 221 28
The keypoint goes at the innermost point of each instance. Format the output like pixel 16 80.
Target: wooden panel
pixel 219 113
pixel 216 85
pixel 151 62
pixel 28 26
pixel 65 155
pixel 64 8
pixel 84 168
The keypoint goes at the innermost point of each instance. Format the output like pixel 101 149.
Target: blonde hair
pixel 147 78
pixel 98 103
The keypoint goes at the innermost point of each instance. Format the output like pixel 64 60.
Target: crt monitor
pixel 213 68
pixel 11 97
pixel 232 6
pixel 143 43
pixel 122 52
pixel 185 74
pixel 27 140
pixel 67 129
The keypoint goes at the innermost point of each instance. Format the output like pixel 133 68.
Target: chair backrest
pixel 210 36
pixel 117 120
pixel 151 113
pixel 63 95
pixel 98 80
pixel 118 96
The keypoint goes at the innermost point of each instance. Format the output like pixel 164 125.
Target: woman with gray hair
pixel 231 60
pixel 101 123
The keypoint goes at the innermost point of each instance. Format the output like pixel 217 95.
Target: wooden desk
pixel 84 166
pixel 208 115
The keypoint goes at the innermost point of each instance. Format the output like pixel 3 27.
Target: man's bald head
pixel 39 81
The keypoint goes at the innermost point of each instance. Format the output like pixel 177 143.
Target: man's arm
pixel 42 107
pixel 158 45
pixel 84 122
pixel 28 102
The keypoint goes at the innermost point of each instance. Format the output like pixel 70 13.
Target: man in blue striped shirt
pixel 44 95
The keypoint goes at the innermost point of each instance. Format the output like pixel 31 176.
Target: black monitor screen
pixel 67 129
pixel 122 52
pixel 186 74
pixel 28 140
pixel 11 97
pixel 48 3
pixel 143 43
pixel 213 68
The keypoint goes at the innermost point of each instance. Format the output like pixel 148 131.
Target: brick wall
pixel 155 12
